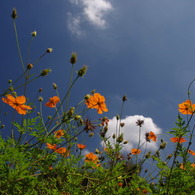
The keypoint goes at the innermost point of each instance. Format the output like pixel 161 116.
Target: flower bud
pixel 124 98
pixel 125 142
pixel 71 111
pixel 40 89
pixel 34 33
pixel 120 138
pixel 55 86
pixel 45 72
pixel 117 117
pixel 91 134
pixel 77 117
pixel 29 66
pixel 14 14
pixel 40 99
pixel 73 58
pixel 122 124
pixel 97 151
pixel 2 126
pixel 49 50
pixel 82 71
pixel 87 97
pixel 169 156
pixel 10 81
pixel 162 145
pixel 114 136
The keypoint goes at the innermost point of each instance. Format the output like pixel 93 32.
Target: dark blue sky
pixel 141 49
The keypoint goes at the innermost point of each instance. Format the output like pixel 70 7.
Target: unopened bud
pixel 117 117
pixel 45 72
pixel 124 98
pixel 71 111
pixel 40 89
pixel 122 124
pixel 162 145
pixel 120 138
pixel 169 156
pixel 34 33
pixel 14 14
pixel 91 134
pixel 10 81
pixel 113 136
pixel 82 71
pixel 87 97
pixel 40 99
pixel 49 50
pixel 77 117
pixel 55 86
pixel 148 155
pixel 29 66
pixel 125 142
pixel 97 151
pixel 73 58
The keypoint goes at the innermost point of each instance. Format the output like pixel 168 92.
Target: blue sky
pixel 141 49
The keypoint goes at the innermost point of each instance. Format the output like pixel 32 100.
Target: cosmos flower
pixel 17 103
pixel 59 133
pixel 51 147
pixel 97 101
pixel 177 139
pixel 186 107
pixel 191 152
pixel 135 151
pixel 52 102
pixel 152 136
pixel 91 157
pixel 81 146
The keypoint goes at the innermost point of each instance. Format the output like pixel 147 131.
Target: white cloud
pixel 93 11
pixel 131 132
pixel 74 25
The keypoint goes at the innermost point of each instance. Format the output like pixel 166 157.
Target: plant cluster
pixel 49 154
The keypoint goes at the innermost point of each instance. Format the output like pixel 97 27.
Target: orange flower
pixel 177 139
pixel 52 102
pixel 135 151
pixel 17 103
pixel 81 146
pixel 51 147
pixel 152 136
pixel 61 150
pixel 91 157
pixel 191 152
pixel 59 133
pixel 182 166
pixel 186 107
pixel 97 101
pixel 120 184
pixel 193 165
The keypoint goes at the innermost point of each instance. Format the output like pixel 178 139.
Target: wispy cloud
pixel 74 25
pixel 131 132
pixel 93 11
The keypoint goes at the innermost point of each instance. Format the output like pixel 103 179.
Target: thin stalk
pixel 18 45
